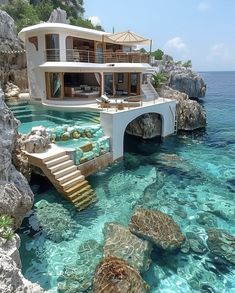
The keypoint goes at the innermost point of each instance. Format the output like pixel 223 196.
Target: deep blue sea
pixel 190 177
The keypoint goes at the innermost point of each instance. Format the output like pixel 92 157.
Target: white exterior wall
pixel 34 60
pixel 115 123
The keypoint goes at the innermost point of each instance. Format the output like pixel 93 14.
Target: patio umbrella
pixel 129 38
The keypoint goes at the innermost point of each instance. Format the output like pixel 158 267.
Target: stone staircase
pixel 148 91
pixel 66 178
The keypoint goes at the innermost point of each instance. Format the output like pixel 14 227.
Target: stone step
pixel 77 187
pixel 85 203
pixel 61 166
pixel 64 172
pixel 56 161
pixel 69 176
pixel 79 192
pixel 83 195
pixel 72 182
pixel 54 156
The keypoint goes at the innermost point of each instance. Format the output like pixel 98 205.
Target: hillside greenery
pixel 26 13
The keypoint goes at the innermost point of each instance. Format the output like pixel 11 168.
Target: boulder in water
pixel 222 244
pixel 120 242
pixel 157 227
pixel 115 275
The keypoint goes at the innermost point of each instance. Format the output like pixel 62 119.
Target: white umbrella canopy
pixel 128 37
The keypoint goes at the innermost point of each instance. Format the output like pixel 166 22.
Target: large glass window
pixel 55 85
pixel 108 83
pixel 52 47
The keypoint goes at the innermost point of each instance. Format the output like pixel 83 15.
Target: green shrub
pixel 187 64
pixel 159 79
pixel 6 230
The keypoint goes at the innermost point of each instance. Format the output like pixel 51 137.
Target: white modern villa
pixel 77 69
pixel 72 67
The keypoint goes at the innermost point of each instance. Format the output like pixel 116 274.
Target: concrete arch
pixel 115 123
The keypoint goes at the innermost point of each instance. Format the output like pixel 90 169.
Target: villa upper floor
pixel 55 42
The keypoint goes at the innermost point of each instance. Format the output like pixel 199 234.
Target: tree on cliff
pixel 29 13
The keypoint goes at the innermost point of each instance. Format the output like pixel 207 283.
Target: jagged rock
pixel 20 159
pixel 37 141
pixel 157 227
pixel 16 197
pixel 11 249
pixel 78 278
pixel 12 91
pixel 59 16
pixel 120 242
pixel 146 126
pixel 182 79
pixel 12 54
pixel 222 244
pixel 114 275
pixel 11 279
pixel 190 114
pixel 188 82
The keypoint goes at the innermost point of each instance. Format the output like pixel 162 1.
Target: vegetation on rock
pixel 158 79
pixel 29 13
pixel 6 230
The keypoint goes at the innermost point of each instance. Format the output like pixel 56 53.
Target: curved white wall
pixel 115 123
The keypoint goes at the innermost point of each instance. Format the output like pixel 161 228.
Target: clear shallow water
pixel 32 115
pixel 190 177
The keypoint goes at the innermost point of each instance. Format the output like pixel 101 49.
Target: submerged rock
pixel 157 227
pixel 56 221
pixel 114 275
pixel 222 244
pixel 120 242
pixel 78 278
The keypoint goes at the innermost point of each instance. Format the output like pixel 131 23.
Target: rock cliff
pixel 181 78
pixel 12 54
pixel 190 114
pixel 16 199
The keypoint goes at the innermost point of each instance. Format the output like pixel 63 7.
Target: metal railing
pixel 75 55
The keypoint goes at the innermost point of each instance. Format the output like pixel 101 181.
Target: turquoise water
pixel 31 115
pixel 190 177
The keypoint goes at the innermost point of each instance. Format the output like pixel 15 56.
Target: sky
pixel 201 31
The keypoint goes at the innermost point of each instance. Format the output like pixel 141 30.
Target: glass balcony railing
pixel 75 55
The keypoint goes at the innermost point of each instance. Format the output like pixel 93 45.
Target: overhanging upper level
pixel 57 42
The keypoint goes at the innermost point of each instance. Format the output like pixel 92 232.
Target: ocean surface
pixel 190 177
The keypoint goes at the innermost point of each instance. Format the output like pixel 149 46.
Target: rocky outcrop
pixel 115 275
pixel 12 91
pixel 11 279
pixel 222 244
pixel 16 199
pixel 190 114
pixel 120 242
pixel 181 78
pixel 158 228
pixel 37 141
pixel 146 126
pixel 12 54
pixel 59 16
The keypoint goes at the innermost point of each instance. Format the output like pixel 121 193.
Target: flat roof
pixel 95 67
pixel 60 27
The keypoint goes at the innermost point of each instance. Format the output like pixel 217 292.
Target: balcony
pixel 74 55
